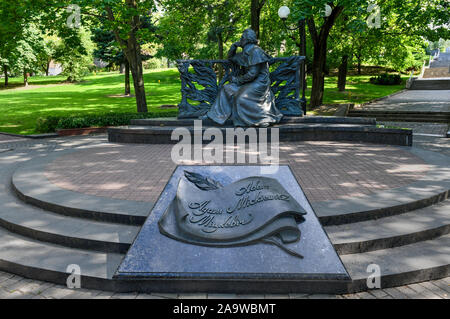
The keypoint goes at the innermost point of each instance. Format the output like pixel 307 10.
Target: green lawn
pixel 20 108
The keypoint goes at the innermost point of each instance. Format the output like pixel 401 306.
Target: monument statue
pixel 248 100
pixel 251 210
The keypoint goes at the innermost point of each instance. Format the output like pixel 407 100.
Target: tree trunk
pixel 318 74
pixel 25 78
pixel 342 76
pixel 220 44
pixel 137 71
pixel 122 68
pixel 132 51
pixel 127 79
pixel 255 9
pixel 5 72
pixel 47 68
pixel 320 40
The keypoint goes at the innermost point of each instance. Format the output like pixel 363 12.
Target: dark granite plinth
pixel 167 262
pixel 329 130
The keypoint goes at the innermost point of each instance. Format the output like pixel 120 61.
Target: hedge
pixel 50 124
pixel 386 79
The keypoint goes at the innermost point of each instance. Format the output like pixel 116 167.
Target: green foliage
pixel 75 53
pixel 386 79
pixel 107 119
pixel 47 124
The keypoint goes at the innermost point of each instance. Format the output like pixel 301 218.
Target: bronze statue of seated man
pixel 247 99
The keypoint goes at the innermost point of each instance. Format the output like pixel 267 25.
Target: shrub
pixel 51 123
pixel 386 79
pixel 47 124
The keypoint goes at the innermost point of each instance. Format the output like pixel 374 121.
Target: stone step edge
pixel 106 207
pixel 426 263
pixel 222 286
pixel 64 240
pixel 387 211
pixel 356 247
pixel 433 188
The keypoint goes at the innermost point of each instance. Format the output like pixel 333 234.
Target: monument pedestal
pixel 166 264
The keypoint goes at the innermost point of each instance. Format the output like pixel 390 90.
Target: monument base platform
pixel 258 266
pixel 159 131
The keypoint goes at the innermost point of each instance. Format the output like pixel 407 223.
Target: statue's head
pixel 248 37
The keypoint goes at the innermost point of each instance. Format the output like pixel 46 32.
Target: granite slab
pixel 153 256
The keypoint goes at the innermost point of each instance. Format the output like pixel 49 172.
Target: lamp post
pixel 284 13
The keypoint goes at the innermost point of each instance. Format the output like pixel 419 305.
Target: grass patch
pixel 20 108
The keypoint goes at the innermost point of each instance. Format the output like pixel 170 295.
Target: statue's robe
pixel 250 102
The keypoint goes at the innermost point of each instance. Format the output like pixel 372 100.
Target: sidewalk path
pixel 414 101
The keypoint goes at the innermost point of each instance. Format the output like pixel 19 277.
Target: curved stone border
pixel 432 188
pixel 32 186
pixel 288 132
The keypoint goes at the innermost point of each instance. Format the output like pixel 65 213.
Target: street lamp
pixel 284 13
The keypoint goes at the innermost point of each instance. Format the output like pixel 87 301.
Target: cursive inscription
pixel 209 224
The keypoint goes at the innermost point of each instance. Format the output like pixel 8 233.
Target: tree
pixel 75 53
pixel 24 57
pixel 47 54
pixel 108 51
pixel 255 10
pixel 121 18
pixel 420 18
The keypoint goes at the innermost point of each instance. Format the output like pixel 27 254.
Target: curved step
pixel 32 186
pixel 48 262
pixel 431 189
pixel 403 265
pixel 419 225
pixel 67 231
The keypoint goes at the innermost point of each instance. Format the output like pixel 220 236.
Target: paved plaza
pixel 414 101
pixel 326 170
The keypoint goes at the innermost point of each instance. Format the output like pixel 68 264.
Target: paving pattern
pixel 16 287
pixel 418 128
pixel 325 170
pixel 405 169
pixel 414 100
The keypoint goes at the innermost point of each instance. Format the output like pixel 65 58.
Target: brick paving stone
pixel 35 288
pixel 424 291
pixel 148 296
pixel 441 284
pixel 249 296
pixel 322 296
pixel 221 296
pixel 298 296
pixel 378 293
pixel 276 296
pixel 366 295
pixel 104 295
pixel 5 276
pixel 56 292
pixel 325 170
pixel 166 295
pixel 435 289
pixel 395 293
pixel 351 296
pixel 411 293
pixel 131 295
pixel 192 296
